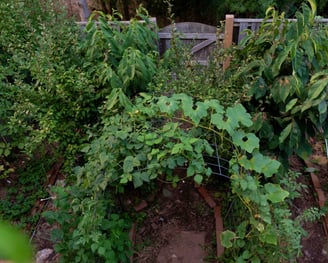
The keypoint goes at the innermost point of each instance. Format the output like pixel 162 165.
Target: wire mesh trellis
pixel 218 165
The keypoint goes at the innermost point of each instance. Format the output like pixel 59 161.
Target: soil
pixel 175 211
pixel 315 244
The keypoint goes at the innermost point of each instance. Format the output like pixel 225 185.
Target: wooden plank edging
pixel 320 195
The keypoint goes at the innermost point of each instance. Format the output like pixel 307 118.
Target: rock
pixel 43 255
pixel 184 247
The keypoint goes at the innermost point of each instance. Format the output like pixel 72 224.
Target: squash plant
pixel 146 142
pixel 284 68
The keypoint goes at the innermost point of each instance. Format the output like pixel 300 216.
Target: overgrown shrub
pixel 55 79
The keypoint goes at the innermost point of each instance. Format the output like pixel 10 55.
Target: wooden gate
pixel 200 37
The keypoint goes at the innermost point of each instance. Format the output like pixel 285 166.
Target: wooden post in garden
pixel 84 10
pixel 228 33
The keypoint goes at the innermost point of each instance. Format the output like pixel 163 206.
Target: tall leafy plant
pixel 120 57
pixel 284 68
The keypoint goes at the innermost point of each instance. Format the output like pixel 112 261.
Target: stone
pixel 184 247
pixel 43 255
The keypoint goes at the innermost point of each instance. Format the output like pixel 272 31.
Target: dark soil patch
pixel 315 244
pixel 174 210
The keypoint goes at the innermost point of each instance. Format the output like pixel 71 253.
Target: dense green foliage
pixel 95 97
pixel 54 83
pixel 284 69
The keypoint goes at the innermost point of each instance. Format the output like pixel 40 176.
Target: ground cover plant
pixel 102 99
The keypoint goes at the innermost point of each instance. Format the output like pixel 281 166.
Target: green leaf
pixel 234 116
pixel 291 104
pixel 282 57
pixel 186 101
pixel 246 254
pixel 243 184
pixel 284 134
pixel 227 237
pixel 197 114
pixel 271 167
pixel 269 236
pixel 94 247
pixel 246 141
pixel 275 193
pixel 260 164
pixel 317 88
pixel 238 113
pixel 140 177
pixel 103 158
pixel 215 105
pixel 14 246
pixel 112 99
pixel 129 163
pixel 198 179
pixel 322 107
pixel 177 148
pixel 304 149
pixel 125 178
pixel 101 251
pixel 251 183
pixel 167 105
pixel 190 170
pixel 308 48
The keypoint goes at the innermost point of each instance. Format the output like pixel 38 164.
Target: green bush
pixel 284 68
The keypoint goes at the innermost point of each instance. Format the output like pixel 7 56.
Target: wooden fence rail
pixel 253 24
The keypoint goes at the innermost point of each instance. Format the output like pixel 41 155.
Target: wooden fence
pixel 202 38
pixel 240 24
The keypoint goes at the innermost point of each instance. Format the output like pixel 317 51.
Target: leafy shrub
pixel 179 72
pixel 25 188
pixel 38 80
pixel 55 79
pixel 284 69
pixel 120 58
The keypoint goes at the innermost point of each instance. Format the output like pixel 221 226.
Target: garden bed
pixel 171 212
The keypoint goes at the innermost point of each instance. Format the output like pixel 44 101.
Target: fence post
pixel 228 33
pixel 84 10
